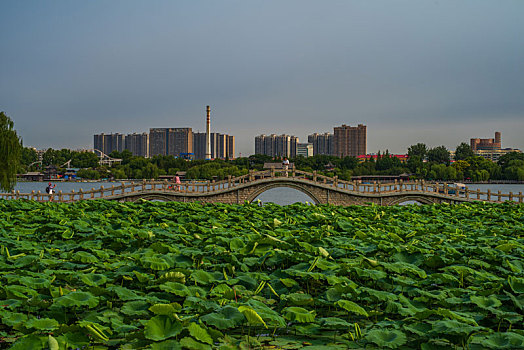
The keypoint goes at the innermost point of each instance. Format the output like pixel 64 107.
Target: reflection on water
pixel 284 196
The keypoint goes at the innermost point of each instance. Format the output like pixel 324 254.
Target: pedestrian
pixel 177 181
pixel 285 165
pixel 49 188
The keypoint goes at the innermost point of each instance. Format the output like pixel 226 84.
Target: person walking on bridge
pixel 285 165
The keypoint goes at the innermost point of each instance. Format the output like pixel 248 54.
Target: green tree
pixel 419 150
pixel 10 153
pixel 439 155
pixel 463 151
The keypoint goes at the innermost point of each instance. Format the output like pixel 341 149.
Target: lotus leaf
pixel 48 324
pixel 161 328
pixel 352 307
pixel 199 333
pixel 516 284
pixel 298 314
pixel 225 318
pixel 192 344
pixel 389 338
pixel 77 298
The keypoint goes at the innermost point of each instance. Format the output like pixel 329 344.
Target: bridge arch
pixel 261 189
pixel 413 198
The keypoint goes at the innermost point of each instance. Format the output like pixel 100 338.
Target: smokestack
pixel 498 138
pixel 208 134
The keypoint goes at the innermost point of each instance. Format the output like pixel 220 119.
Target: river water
pixel 281 195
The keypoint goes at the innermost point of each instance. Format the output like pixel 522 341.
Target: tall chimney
pixel 498 139
pixel 208 134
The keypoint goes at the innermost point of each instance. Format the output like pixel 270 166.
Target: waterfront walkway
pixel 321 189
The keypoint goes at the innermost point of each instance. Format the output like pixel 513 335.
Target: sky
pixel 438 72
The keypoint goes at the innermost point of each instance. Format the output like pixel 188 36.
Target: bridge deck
pixel 317 186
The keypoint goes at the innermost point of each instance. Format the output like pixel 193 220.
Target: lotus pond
pixel 153 275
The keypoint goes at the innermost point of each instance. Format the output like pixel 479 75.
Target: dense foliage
pixel 422 163
pixel 172 275
pixel 10 153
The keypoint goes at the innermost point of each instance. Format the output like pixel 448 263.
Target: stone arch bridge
pixel 321 189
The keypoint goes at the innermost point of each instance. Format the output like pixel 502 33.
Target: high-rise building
pixel 487 144
pixel 322 143
pixel 305 149
pixel 170 141
pixel 108 143
pixel 276 145
pixel 350 141
pixel 222 145
pixel 138 144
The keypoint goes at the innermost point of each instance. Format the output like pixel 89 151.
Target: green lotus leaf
pixel 161 328
pixel 352 307
pixel 13 319
pixel 175 288
pixel 389 338
pixel 25 261
pixel 48 324
pixel 334 322
pixel 155 263
pixel 251 315
pixel 165 309
pixel 10 303
pixel 288 282
pixel 85 257
pixel 225 318
pixel 135 308
pixel 173 276
pixel 298 299
pixel 93 279
pixel 143 277
pixel 236 244
pixel 124 294
pixel 77 298
pixel 486 302
pixel 31 341
pixel 516 284
pixel 166 345
pixel 420 329
pixel 20 291
pixel 271 317
pixel 192 344
pixel 199 333
pixel 453 327
pixel 202 277
pixel 507 340
pixel 35 283
pixel 298 314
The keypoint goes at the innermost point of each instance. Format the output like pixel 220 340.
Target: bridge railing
pixel 198 186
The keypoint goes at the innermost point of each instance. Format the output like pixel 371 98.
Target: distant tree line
pixel 422 163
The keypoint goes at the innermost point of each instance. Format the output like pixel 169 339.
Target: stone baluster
pixel 72 195
pixel 81 194
pixel 229 181
pixel 489 194
pixel 520 197
pixel 335 180
pixel 272 171
pixel 510 198
pixel 314 176
pixel 499 196
pixel 60 196
pixel 112 190
pixel 92 192
pixel 101 191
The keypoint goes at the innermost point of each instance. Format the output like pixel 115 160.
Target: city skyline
pixel 440 72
